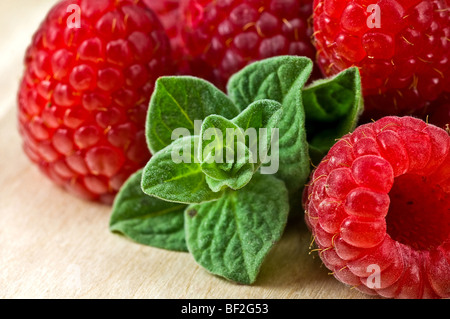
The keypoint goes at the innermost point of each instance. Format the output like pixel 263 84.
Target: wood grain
pixel 53 245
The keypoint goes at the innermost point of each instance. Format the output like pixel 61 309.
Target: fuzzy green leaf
pixel 147 220
pixel 232 236
pixel 262 116
pixel 280 79
pixel 231 151
pixel 174 174
pixel 177 103
pixel 225 161
pixel 232 174
pixel 332 108
pixel 272 78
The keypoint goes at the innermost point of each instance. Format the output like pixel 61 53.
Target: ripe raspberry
pixel 380 200
pixel 85 92
pixel 440 112
pixel 223 36
pixel 168 12
pixel 404 60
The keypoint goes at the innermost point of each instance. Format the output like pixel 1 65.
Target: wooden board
pixel 53 245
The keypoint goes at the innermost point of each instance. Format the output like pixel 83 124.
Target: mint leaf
pixel 234 174
pixel 259 114
pixel 147 220
pixel 280 79
pixel 232 236
pixel 177 103
pixel 236 182
pixel 272 78
pixel 217 133
pixel 231 153
pixel 226 160
pixel 332 108
pixel 262 117
pixel 174 174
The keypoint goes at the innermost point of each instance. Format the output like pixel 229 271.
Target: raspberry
pixel 85 92
pixel 440 113
pixel 222 36
pixel 168 12
pixel 404 60
pixel 380 200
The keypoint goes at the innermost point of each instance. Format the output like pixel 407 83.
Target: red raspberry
pixel 85 92
pixel 169 14
pixel 380 201
pixel 223 36
pixel 404 60
pixel 440 113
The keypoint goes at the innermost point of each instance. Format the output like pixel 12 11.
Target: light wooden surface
pixel 53 245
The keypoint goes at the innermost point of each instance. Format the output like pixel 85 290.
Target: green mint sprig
pixel 226 167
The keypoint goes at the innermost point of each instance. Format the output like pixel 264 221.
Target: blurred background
pixel 18 21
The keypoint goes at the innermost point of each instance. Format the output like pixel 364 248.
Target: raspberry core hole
pixel 418 214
